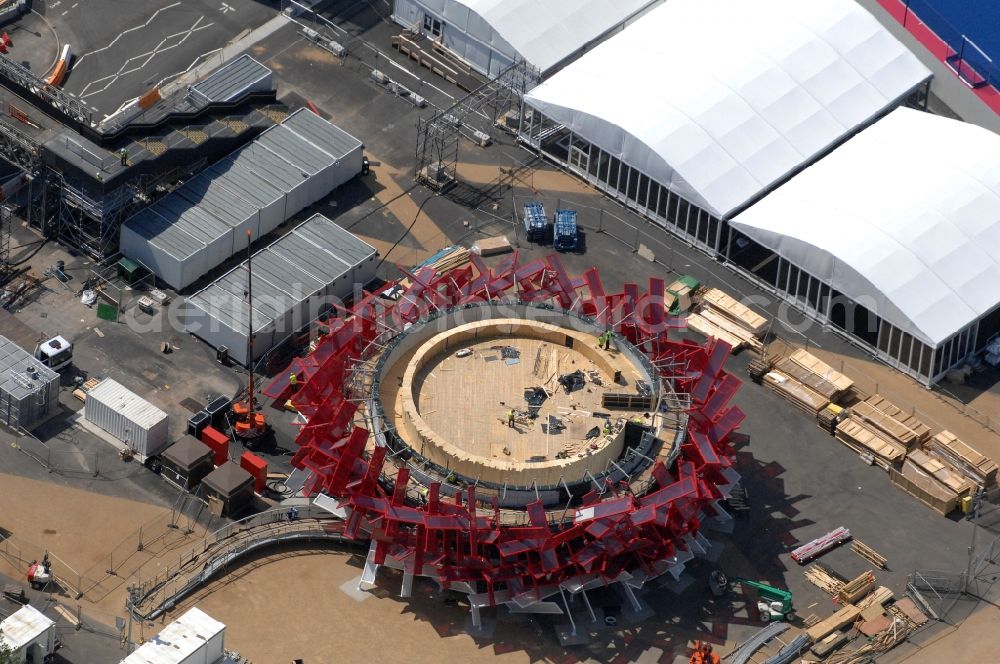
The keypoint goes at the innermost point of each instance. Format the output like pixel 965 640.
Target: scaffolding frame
pixel 476 116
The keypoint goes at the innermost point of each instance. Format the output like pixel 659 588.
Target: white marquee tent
pixel 903 218
pixel 491 34
pixel 719 101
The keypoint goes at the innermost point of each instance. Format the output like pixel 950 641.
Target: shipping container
pixel 127 416
pixel 29 390
pixel 194 638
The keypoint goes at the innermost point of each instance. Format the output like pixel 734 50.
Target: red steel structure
pixel 619 532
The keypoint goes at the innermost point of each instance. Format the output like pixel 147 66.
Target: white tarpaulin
pixel 543 32
pixel 721 99
pixel 903 218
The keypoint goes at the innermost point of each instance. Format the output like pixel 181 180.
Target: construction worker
pixel 510 418
pixel 707 656
pixel 697 657
pixel 607 340
pixel 123 155
pixel 293 380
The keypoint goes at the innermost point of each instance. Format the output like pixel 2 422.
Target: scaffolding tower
pixel 477 116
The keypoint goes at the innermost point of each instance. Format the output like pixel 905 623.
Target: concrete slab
pixel 350 588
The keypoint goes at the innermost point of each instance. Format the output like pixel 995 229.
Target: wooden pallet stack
pixel 889 418
pixel 807 360
pixel 855 589
pixel 882 450
pixel 978 468
pixel 795 392
pixel 723 317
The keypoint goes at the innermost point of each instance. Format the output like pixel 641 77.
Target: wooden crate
pixel 706 328
pixel 977 467
pixel 922 431
pixel 864 440
pixel 812 363
pixel 726 305
pixel 942 472
pixel 795 392
pixel 733 328
pixel 922 487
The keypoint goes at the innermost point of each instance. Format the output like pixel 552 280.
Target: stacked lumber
pixel 443 261
pixel 813 381
pixel 732 327
pixel 714 298
pixel 879 597
pixel 809 361
pixel 885 424
pixel 868 442
pixel 981 469
pixel 706 328
pixel 920 430
pixel 921 486
pixel 839 620
pixel 868 553
pixel 824 579
pixel 795 392
pixel 941 471
pixel 857 588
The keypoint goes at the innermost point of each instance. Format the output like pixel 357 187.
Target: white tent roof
pixel 543 32
pixel 23 627
pixel 905 216
pixel 721 99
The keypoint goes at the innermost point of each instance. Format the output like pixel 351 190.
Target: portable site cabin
pixel 194 638
pixel 127 416
pixel 30 635
pixel 187 462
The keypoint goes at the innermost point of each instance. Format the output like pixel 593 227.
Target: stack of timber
pixel 868 553
pixel 869 442
pixel 746 337
pixel 814 381
pixel 795 392
pixel 980 469
pixel 713 298
pixel 846 616
pixel 892 420
pixel 807 360
pixel 857 588
pixel 443 261
pixel 932 481
pixel 706 328
pixel 824 579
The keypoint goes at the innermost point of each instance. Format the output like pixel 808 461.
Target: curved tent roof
pixel 543 32
pixel 903 218
pixel 721 99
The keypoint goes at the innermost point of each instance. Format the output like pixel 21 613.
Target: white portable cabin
pixel 194 638
pixel 29 633
pixel 127 416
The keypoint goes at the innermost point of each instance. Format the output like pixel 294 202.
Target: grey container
pixel 29 391
pixel 128 417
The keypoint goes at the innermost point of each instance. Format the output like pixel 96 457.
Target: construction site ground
pixel 303 603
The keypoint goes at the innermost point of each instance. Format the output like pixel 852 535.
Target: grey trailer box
pixel 255 188
pixel 284 174
pixel 233 81
pixel 29 390
pixel 127 416
pixel 175 256
pixel 344 150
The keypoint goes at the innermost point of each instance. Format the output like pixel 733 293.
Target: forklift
pixel 773 604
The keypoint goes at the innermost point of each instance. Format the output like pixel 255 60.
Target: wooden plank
pixel 840 619
pixel 922 487
pixel 811 380
pixel 887 424
pixel 738 312
pixel 922 431
pixel 794 391
pixel 857 436
pixel 719 320
pixel 974 465
pixel 809 361
pixel 857 588
pixel 868 553
pixel 705 328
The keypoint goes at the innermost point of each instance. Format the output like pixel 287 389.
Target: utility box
pixel 29 390
pixel 231 486
pixel 257 467
pixel 187 462
pixel 127 416
pixel 565 235
pixel 536 225
pixel 30 635
pixel 218 442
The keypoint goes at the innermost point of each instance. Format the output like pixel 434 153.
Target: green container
pixel 690 282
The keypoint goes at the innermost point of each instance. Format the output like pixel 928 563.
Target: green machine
pixel 772 603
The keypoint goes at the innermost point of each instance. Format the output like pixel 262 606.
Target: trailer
pixel 565 236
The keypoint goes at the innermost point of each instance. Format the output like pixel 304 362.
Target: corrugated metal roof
pixel 251 186
pixel 324 135
pixel 340 242
pixel 232 81
pixel 129 404
pixel 221 202
pixel 179 640
pixel 290 146
pixel 266 163
pixel 315 253
pixel 24 626
pixel 192 219
pixel 168 235
pixel 14 377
